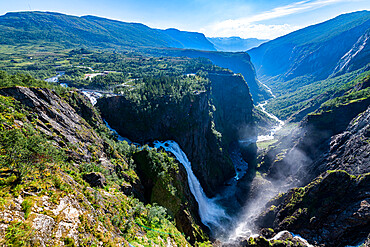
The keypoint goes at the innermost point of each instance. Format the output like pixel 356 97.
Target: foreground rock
pixel 57 119
pixel 333 210
pixel 95 179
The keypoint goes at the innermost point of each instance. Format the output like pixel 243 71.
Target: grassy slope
pixel 88 31
pixel 33 169
pixel 311 96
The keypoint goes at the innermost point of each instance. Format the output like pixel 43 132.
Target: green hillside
pixel 89 31
pixel 312 51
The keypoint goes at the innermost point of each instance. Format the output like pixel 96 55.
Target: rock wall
pixel 57 119
pixel 188 122
pixel 203 130
pixel 333 209
pixel 233 102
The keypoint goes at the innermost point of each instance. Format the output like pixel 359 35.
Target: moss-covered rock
pixel 333 210
pixel 165 183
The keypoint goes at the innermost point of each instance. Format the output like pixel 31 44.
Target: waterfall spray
pixel 211 214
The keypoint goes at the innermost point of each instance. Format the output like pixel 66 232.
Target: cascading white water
pixel 211 214
pixel 244 225
pixel 92 95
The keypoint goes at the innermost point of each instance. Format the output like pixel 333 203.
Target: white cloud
pixel 248 27
pixel 260 31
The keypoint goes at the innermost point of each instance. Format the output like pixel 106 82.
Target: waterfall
pixel 210 212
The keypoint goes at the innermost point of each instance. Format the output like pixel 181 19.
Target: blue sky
pixel 265 19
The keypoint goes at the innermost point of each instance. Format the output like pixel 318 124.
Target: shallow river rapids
pixel 280 124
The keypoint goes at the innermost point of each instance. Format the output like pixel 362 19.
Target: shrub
pixel 26 207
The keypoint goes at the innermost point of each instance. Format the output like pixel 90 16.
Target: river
pixel 273 131
pixel 212 214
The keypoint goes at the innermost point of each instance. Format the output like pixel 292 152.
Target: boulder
pixel 95 179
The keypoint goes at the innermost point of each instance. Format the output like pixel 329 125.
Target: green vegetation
pixel 18 234
pixel 8 80
pixel 67 31
pixel 34 167
pixel 351 97
pixel 308 98
pixel 148 90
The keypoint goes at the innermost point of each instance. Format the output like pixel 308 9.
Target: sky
pixel 263 19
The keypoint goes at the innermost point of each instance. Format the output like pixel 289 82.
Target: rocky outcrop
pixel 58 120
pixel 178 200
pixel 333 210
pixel 95 179
pixel 350 149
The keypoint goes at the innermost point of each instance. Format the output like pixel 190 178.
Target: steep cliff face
pixel 204 131
pixel 57 119
pixel 188 122
pixel 356 57
pixel 233 102
pixel 333 209
pixel 349 150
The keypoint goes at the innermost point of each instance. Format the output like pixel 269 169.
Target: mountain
pixel 308 67
pixel 315 52
pixel 91 31
pixel 59 30
pixel 190 40
pixel 235 44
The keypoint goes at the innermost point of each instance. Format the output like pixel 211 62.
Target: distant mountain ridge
pixel 190 40
pixel 315 51
pixel 92 31
pixel 235 44
pixel 40 28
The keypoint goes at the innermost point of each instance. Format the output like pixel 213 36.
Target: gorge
pixel 167 145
